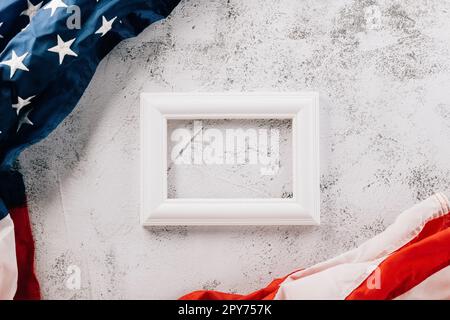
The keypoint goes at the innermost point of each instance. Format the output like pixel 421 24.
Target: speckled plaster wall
pixel 382 69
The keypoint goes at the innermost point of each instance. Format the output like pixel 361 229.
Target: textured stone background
pixel 383 75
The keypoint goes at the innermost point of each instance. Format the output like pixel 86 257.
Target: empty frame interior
pixel 229 158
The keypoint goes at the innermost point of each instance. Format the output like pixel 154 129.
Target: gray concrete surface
pixel 382 69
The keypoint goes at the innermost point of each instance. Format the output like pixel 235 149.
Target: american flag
pixel 50 50
pixel 410 260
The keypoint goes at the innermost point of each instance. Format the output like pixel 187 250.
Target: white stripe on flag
pixel 8 260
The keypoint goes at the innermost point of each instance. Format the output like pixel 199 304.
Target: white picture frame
pixel 158 108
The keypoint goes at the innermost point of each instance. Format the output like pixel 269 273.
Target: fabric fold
pixel 17 276
pixel 408 259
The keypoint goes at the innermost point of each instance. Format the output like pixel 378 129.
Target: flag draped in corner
pixel 47 60
pixel 409 260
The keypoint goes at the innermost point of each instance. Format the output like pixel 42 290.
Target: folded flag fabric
pixel 50 50
pixel 17 277
pixel 409 260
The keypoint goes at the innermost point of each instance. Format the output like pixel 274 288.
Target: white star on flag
pixel 15 63
pixel 24 120
pixel 55 4
pixel 106 26
pixel 22 103
pixel 63 49
pixel 32 9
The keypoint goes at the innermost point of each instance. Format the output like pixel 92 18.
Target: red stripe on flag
pixel 28 285
pixel 267 293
